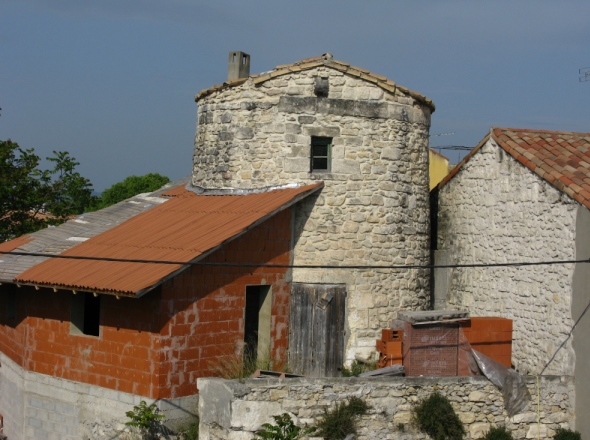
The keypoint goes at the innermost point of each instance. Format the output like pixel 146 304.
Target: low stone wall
pixel 234 410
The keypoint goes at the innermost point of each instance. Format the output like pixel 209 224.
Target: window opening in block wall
pixel 8 303
pixel 321 154
pixel 85 314
pixel 257 316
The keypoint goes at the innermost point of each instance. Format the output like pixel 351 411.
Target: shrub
pixel 567 434
pixel 436 417
pixel 498 433
pixel 191 432
pixel 284 429
pixel 341 421
pixel 145 418
pixel 357 368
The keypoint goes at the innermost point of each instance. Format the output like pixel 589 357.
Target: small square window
pixel 321 154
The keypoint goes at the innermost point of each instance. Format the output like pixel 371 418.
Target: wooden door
pixel 316 329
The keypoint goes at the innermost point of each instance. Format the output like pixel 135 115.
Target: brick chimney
pixel 238 65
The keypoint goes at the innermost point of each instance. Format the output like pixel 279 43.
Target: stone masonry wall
pixel 232 410
pixel 495 210
pixel 373 209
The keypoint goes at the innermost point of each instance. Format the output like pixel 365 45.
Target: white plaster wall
pixel 495 210
pixel 373 209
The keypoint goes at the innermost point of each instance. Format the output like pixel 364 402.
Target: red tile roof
pixel 561 158
pixel 323 60
pixel 183 229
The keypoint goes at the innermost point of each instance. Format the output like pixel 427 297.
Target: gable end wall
pixel 495 210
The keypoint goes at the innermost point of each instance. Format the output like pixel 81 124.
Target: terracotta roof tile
pixel 182 229
pixel 327 61
pixel 562 158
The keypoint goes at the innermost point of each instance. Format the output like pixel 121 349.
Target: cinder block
pixel 392 334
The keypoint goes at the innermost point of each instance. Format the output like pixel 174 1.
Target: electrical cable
pixel 294 266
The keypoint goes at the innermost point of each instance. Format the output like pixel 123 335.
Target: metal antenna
pixel 446 134
pixel 585 74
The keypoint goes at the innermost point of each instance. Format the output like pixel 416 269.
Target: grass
pixel 242 364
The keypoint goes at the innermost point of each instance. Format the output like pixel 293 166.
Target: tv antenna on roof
pixel 446 134
pixel 585 74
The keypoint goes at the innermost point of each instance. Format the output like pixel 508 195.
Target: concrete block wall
pixel 41 407
pixel 373 209
pixel 496 210
pixel 154 347
pixel 232 410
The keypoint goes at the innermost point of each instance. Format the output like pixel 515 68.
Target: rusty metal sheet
pixel 183 229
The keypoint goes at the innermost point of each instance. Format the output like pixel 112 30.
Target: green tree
pixel 129 187
pixel 26 191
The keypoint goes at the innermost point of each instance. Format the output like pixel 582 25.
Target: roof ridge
pixel 558 157
pixel 327 60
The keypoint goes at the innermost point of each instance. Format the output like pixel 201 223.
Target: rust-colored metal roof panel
pixel 11 245
pixel 183 229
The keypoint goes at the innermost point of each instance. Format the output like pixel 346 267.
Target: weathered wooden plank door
pixel 316 329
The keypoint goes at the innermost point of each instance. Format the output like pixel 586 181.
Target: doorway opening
pixel 257 317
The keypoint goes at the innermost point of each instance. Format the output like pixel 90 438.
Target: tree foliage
pixel 32 198
pixel 129 187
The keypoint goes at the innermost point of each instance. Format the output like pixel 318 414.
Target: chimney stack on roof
pixel 238 65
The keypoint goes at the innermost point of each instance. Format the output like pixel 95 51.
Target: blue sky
pixel 113 81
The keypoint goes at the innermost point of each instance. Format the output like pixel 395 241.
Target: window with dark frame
pixel 321 152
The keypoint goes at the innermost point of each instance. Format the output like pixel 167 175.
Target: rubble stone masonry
pixel 373 209
pixel 497 211
pixel 232 410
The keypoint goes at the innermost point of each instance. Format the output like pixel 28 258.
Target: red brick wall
pixel 205 307
pixel 156 346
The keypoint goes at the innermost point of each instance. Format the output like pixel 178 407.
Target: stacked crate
pixel 491 336
pixel 431 350
pixel 390 347
pixel 444 349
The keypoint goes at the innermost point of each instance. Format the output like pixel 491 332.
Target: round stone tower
pixel 366 138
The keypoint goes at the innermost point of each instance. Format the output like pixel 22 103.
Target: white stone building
pixel 523 196
pixel 361 134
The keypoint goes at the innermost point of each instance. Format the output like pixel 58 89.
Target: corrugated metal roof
pixel 11 245
pixel 184 228
pixel 57 239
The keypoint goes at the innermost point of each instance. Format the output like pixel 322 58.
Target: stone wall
pixel 495 210
pixel 232 410
pixel 373 209
pixel 37 406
